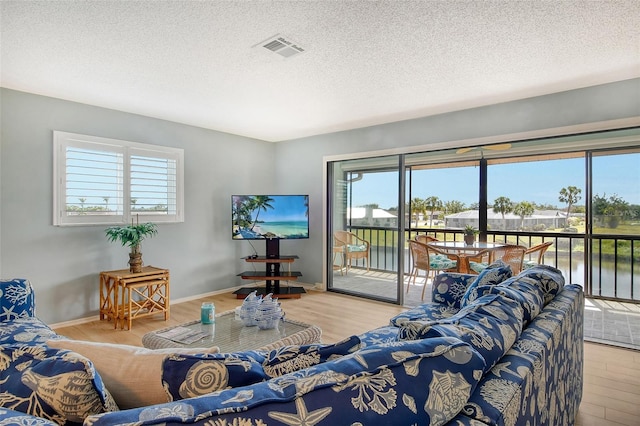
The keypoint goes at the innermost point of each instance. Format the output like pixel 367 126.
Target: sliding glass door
pixel 581 193
pixel 364 227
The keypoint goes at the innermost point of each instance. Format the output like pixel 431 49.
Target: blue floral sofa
pixel 490 349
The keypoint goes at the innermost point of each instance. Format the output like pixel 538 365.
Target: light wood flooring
pixel 611 375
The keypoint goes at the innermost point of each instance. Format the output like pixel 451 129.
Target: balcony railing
pixel 610 271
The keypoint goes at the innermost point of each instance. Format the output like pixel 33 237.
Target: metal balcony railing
pixel 607 267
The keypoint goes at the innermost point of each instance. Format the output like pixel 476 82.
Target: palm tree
pixel 260 202
pixel 569 195
pixel 417 207
pixel 432 204
pixel 453 206
pixel 522 209
pixel 106 203
pixel 502 205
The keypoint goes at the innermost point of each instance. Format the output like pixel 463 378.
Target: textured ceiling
pixel 366 62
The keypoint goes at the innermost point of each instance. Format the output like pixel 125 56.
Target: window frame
pixel 63 140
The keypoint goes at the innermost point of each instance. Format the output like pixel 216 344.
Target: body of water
pixel 608 279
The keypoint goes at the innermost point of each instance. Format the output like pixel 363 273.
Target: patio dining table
pixel 464 251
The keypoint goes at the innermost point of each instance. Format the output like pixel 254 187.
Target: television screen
pixel 259 217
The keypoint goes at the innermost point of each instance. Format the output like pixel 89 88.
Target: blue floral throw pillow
pixel 547 278
pixel 494 274
pixel 186 376
pixel 293 358
pixel 16 299
pixel 57 385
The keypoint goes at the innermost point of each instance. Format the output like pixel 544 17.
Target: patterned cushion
pixel 415 382
pixel 491 324
pixel 449 287
pixel 12 417
pixel 186 376
pixel 28 330
pixel 356 248
pixel 134 383
pixel 293 358
pixel 426 311
pixel 16 299
pixel 378 336
pixel 548 278
pixel 57 385
pixel 529 296
pixel 440 261
pixel 493 274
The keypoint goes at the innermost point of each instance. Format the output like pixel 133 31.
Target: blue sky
pixel 285 208
pixel 538 182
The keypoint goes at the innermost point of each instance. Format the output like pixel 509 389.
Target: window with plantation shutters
pixel 106 181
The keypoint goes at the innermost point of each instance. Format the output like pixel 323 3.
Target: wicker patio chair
pixel 512 255
pixel 351 247
pixel 425 239
pixel 535 254
pixel 431 260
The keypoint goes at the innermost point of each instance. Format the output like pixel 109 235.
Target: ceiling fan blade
pixel 464 150
pixel 498 147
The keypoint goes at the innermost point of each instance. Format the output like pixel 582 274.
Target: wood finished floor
pixel 611 375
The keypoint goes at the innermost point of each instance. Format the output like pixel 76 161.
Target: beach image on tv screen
pixel 257 217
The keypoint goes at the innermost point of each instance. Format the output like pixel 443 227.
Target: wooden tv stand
pixel 272 276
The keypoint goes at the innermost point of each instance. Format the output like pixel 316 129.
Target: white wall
pixel 63 263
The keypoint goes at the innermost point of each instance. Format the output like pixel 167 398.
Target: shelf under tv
pixel 272 275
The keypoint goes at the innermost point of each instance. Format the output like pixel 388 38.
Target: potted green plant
pixel 131 236
pixel 470 234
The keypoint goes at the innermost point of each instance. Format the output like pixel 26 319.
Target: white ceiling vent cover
pixel 282 45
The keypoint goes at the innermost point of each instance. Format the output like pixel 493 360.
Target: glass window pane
pixel 616 193
pixel 540 193
pixel 93 182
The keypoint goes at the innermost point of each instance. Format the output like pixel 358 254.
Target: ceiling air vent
pixel 281 45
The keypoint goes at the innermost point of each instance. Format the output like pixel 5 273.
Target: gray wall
pixel 63 263
pixel 304 157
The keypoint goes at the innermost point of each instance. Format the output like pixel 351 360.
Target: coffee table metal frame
pixel 230 335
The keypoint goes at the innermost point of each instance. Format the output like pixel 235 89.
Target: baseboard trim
pixel 85 320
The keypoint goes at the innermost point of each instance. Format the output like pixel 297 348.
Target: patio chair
pixel 425 239
pixel 431 260
pixel 511 254
pixel 535 254
pixel 350 246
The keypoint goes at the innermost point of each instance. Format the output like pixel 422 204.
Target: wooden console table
pixel 125 296
pixel 272 276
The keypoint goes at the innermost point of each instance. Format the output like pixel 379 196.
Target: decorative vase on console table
pixel 132 235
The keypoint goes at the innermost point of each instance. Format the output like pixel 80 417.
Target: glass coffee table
pixel 230 335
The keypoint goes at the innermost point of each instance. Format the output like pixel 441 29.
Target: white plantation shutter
pixel 107 181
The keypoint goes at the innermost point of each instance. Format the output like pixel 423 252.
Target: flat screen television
pixel 269 217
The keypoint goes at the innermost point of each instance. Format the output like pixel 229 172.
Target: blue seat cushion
pixel 27 330
pixel 373 386
pixel 493 274
pixel 491 325
pixel 356 247
pixel 426 311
